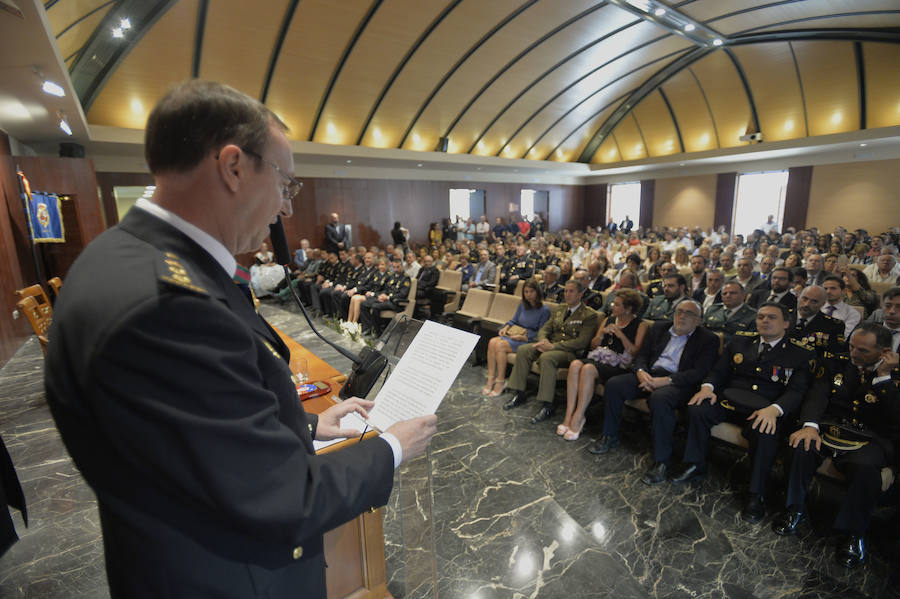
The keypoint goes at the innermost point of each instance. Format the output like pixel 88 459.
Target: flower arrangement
pixel 604 355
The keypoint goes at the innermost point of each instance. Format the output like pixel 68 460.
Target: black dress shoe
pixel 851 552
pixel 545 412
pixel 603 445
pixel 686 473
pixel 656 474
pixel 754 508
pixel 786 523
pixel 517 400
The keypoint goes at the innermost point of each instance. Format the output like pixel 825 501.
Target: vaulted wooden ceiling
pixel 560 80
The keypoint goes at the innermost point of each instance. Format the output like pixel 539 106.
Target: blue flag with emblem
pixel 44 216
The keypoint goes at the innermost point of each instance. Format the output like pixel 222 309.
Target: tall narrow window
pixel 459 204
pixel 527 203
pixel 624 199
pixel 759 195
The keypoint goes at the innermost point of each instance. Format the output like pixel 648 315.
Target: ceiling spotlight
pixel 717 42
pixel 349 161
pixel 420 164
pixel 862 145
pixel 125 24
pixel 659 12
pixel 53 89
pixel 117 33
pixel 690 27
pixel 63 123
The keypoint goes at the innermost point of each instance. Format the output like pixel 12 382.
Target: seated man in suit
pixel 550 287
pixel 663 306
pixel 711 294
pixel 672 362
pixel 863 389
pixel 568 331
pixel 732 315
pixel 779 290
pixel 697 280
pixel 746 277
pixel 836 307
pixel 485 272
pixel 758 382
pixel 597 281
pixel 819 330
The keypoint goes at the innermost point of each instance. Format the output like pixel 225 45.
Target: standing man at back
pixel 335 234
pixel 175 397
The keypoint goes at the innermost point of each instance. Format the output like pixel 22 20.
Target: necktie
pixel 829 310
pixel 568 314
pixel 773 297
pixel 801 324
pixel 764 348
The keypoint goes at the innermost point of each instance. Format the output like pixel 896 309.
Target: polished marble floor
pixel 500 508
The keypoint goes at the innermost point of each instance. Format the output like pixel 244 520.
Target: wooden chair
pixel 55 286
pixel 39 314
pixel 880 288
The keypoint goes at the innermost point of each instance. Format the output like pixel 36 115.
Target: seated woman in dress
pixel 618 340
pixel 653 256
pixel 858 291
pixel 531 316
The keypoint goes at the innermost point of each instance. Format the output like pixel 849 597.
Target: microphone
pixel 368 365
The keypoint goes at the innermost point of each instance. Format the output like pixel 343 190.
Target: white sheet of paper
pixel 350 421
pixel 423 376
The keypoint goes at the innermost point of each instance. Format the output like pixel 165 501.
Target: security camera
pixel 752 137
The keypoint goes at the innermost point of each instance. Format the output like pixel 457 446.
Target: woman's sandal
pixel 498 392
pixel 488 387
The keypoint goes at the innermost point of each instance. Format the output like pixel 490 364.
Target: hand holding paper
pixel 329 426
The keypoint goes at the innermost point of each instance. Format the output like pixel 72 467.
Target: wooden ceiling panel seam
pixel 399 68
pixel 832 94
pixel 802 92
pixel 200 28
pixel 735 13
pixel 641 134
pixel 712 117
pixel 337 71
pixel 83 17
pixel 75 39
pixel 655 125
pixel 507 19
pixel 289 13
pixel 534 45
pixel 674 120
pixel 582 101
pixel 882 85
pixel 568 87
pixel 545 74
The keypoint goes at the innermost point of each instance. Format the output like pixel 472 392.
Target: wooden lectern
pixel 354 551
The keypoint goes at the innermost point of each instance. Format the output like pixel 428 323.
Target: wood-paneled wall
pixel 69 176
pixel 685 201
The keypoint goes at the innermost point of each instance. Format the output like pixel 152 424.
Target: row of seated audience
pixel 796 361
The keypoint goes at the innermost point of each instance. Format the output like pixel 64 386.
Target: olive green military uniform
pixel 568 335
pixel 718 320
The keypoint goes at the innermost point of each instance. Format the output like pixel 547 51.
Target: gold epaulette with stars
pixel 833 356
pixel 803 344
pixel 747 333
pixel 172 271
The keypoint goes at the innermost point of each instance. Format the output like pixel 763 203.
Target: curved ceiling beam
pixel 83 17
pixel 202 8
pixel 106 52
pixel 735 13
pixel 402 64
pixel 516 59
pixel 546 73
pixel 802 92
pixel 583 100
pixel 340 66
pixel 506 20
pixel 841 34
pixel 861 83
pixel 592 117
pixel 740 71
pixel 641 92
pixel 563 90
pixel 674 120
pixel 276 49
pixel 712 119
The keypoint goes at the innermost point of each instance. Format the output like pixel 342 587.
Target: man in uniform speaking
pixel 174 396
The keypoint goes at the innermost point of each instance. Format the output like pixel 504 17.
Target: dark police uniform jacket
pixel 176 402
pixel 782 376
pixel 842 392
pixel 822 332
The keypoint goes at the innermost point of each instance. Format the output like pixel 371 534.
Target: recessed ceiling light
pixel 349 161
pixel 862 145
pixel 659 12
pixel 53 89
pixel 125 24
pixel 689 27
pixel 64 125
pixel 420 164
pixel 117 32
pixel 717 42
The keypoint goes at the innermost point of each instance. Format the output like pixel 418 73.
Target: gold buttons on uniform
pixel 855 402
pixel 755 387
pixel 855 421
pixel 298 552
pixel 758 369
